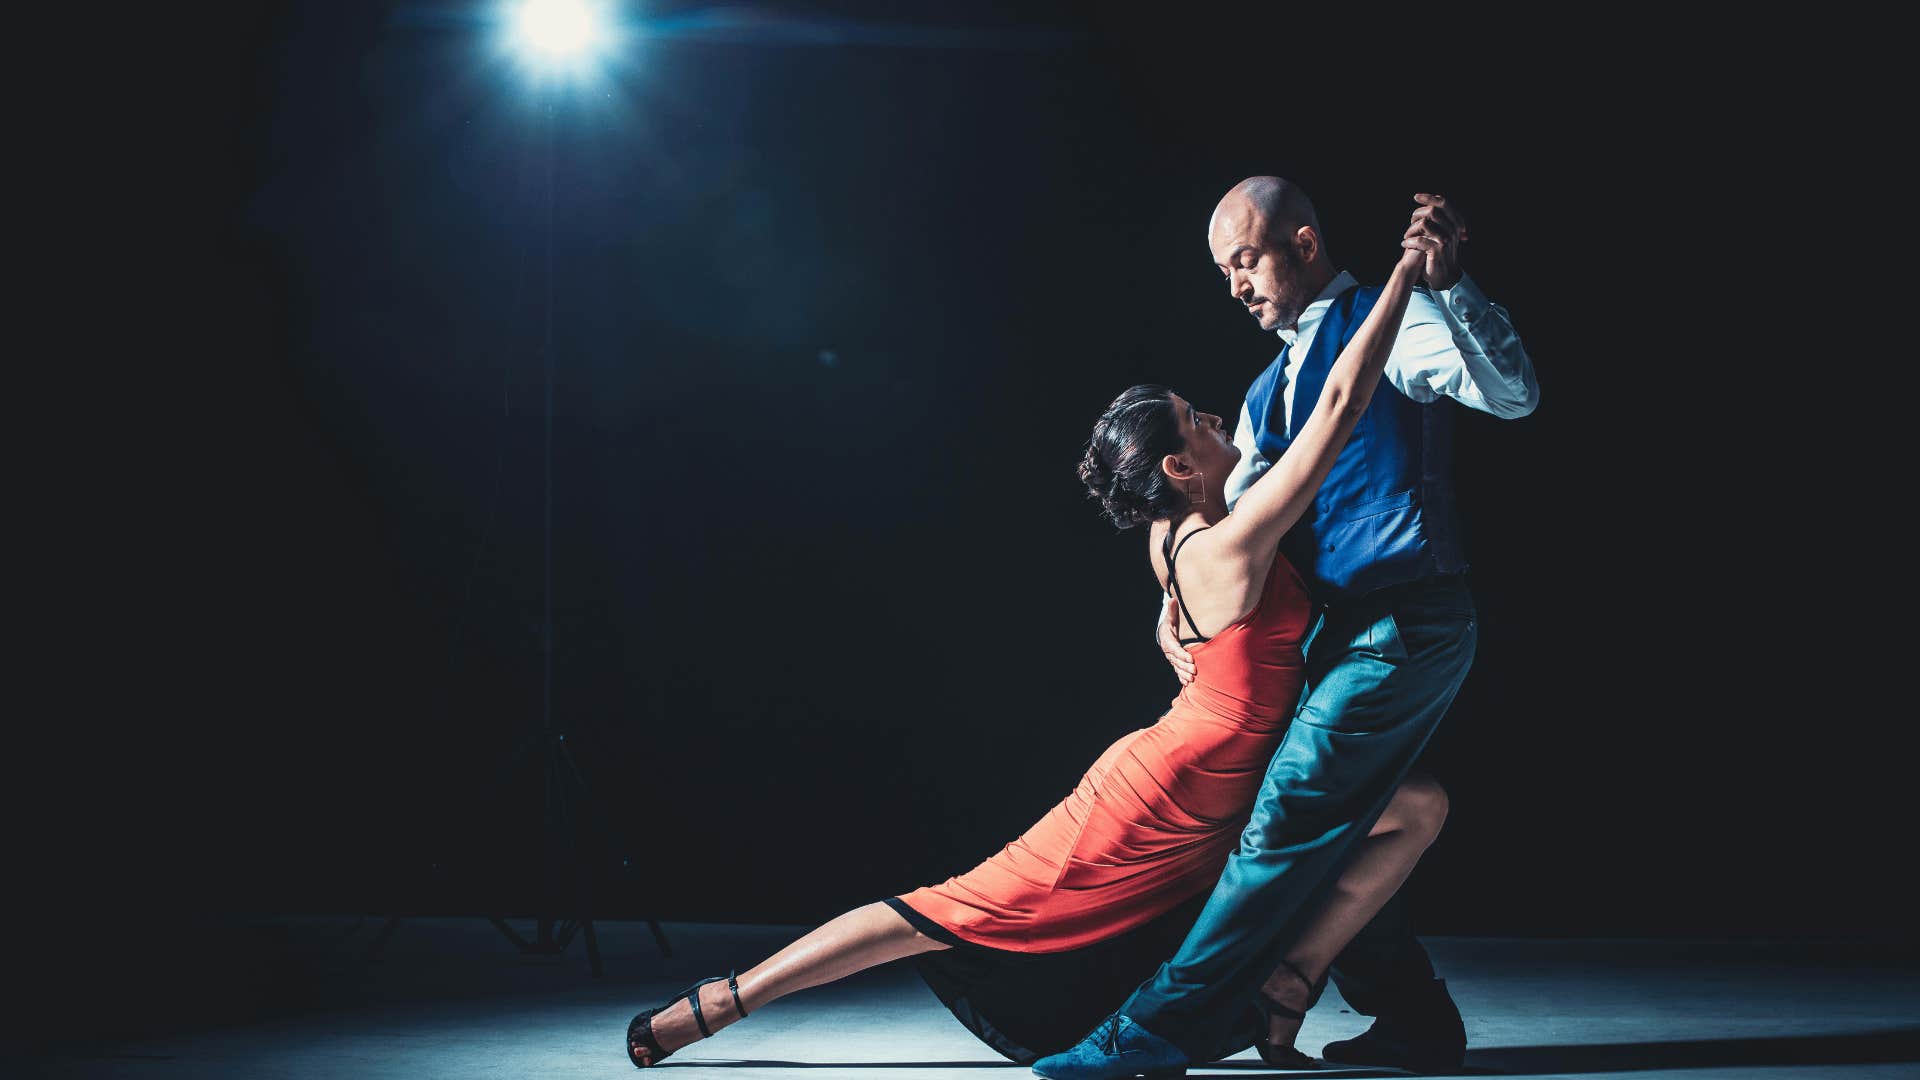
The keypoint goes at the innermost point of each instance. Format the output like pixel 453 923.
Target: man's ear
pixel 1306 242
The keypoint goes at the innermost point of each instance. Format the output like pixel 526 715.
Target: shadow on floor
pixel 1866 1048
pixel 754 1063
pixel 1254 1066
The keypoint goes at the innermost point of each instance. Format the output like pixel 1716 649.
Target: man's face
pixel 1262 272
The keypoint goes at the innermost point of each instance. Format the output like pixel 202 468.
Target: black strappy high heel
pixel 640 1028
pixel 1288 1056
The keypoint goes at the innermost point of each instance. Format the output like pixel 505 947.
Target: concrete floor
pixel 452 999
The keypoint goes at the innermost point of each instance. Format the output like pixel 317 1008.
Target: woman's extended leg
pixel 1380 866
pixel 860 939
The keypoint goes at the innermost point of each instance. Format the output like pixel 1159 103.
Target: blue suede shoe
pixel 1118 1048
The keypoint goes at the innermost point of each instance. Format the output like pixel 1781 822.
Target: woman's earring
pixel 1197 497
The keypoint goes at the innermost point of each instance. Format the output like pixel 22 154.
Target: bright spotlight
pixel 555 33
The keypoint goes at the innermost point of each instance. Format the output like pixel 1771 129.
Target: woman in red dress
pixel 1035 945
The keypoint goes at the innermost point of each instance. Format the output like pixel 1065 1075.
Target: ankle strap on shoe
pixel 1314 989
pixel 692 994
pixel 734 986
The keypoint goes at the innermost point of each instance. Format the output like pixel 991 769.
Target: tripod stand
pixel 564 789
pixel 560 768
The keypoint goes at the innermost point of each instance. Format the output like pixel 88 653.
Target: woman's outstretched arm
pixel 1275 501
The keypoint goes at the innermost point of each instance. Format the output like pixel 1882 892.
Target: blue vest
pixel 1385 515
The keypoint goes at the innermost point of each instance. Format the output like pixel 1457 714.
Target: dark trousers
pixel 1381 671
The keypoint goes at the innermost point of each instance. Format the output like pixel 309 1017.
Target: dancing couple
pixel 1258 832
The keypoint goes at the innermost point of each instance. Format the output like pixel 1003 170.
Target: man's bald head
pixel 1265 237
pixel 1279 204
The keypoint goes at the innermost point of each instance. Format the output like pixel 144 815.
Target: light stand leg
pixel 560 825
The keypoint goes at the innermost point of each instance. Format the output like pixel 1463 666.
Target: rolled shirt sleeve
pixel 1456 343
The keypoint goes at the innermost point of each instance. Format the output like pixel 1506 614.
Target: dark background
pixel 834 305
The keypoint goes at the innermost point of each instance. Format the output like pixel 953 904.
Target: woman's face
pixel 1209 446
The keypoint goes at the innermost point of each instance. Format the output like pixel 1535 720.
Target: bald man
pixel 1380 552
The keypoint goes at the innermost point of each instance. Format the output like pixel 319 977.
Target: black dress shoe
pixel 1422 1034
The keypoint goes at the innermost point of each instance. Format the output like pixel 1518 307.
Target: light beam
pixel 558 36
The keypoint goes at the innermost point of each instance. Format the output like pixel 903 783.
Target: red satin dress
pixel 1151 823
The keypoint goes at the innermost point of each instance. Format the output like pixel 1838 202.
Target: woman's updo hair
pixel 1122 465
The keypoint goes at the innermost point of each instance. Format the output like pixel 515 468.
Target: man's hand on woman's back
pixel 1169 638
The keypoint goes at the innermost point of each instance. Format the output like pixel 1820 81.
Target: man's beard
pixel 1289 316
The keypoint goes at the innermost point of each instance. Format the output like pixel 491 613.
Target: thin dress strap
pixel 1170 552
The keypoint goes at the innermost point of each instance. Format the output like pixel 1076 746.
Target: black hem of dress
pixel 1028 1005
pixel 926 925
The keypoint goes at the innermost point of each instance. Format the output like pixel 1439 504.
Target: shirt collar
pixel 1310 318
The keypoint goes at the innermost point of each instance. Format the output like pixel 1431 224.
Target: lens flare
pixel 556 31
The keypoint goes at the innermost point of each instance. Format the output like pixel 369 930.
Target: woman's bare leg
pixel 860 939
pixel 1384 859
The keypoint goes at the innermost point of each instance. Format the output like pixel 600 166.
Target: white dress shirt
pixel 1453 343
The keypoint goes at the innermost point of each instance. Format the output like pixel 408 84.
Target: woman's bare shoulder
pixel 1215 566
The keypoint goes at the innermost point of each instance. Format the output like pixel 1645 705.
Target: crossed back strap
pixel 1170 551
